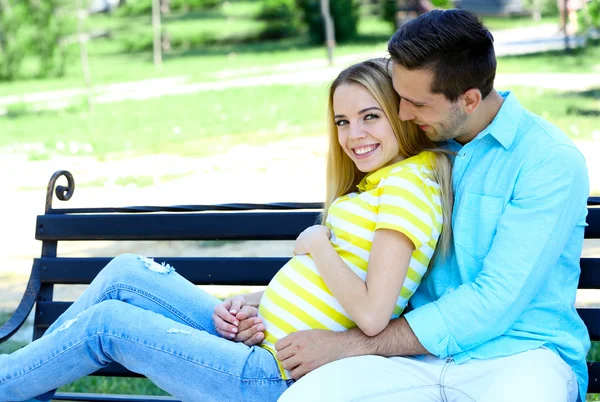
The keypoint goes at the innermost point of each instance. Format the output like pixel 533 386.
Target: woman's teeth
pixel 364 150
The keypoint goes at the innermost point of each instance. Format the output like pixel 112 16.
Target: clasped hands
pixel 300 352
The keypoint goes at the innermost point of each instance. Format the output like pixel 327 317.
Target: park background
pixel 228 106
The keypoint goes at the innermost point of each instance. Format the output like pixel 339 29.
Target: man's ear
pixel 472 98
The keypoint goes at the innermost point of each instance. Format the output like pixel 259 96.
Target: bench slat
pixel 241 271
pixel 184 226
pixel 592 231
pixel 590 273
pixel 594 374
pixel 591 318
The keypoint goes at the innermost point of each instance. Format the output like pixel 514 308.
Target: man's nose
pixel 405 111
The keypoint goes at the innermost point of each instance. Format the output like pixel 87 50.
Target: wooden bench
pixel 272 222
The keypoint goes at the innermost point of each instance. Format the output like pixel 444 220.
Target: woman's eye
pixel 340 123
pixel 371 116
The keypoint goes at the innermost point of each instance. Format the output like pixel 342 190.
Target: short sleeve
pixel 409 203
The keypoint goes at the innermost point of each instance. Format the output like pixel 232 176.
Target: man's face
pixel 436 116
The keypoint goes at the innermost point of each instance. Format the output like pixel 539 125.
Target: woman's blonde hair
pixel 342 174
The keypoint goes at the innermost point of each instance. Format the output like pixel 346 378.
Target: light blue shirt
pixel 508 285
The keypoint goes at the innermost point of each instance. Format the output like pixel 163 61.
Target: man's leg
pixel 537 375
pixel 191 364
pixel 371 378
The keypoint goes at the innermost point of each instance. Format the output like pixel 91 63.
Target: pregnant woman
pixel 387 211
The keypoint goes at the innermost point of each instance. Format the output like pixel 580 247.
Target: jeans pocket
pixel 476 222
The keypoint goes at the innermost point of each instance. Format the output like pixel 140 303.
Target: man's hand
pixel 310 236
pixel 239 322
pixel 303 351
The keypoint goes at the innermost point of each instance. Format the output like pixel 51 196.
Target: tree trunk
pixel 329 30
pixel 157 42
pixel 85 65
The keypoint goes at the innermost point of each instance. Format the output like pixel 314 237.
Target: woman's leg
pixel 190 364
pixel 146 284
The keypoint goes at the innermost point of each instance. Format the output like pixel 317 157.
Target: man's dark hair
pixel 452 44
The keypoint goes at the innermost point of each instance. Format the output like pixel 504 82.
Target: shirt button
pixel 450 290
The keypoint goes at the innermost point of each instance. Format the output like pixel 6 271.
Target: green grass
pixel 198 124
pixel 113 385
pixel 576 113
pixel 207 123
pixel 583 61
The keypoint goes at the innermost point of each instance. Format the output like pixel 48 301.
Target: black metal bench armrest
pixel 25 306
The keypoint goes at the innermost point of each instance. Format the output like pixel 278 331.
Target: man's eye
pixel 340 123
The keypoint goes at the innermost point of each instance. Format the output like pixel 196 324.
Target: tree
pixel 30 29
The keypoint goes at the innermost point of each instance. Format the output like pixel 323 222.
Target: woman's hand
pixel 309 237
pixel 237 321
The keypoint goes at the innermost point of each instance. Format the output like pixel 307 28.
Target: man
pixel 495 320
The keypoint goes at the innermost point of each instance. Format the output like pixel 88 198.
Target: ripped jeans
pixel 151 320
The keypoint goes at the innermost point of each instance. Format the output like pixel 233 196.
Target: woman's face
pixel 364 132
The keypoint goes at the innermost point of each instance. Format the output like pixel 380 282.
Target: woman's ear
pixel 472 98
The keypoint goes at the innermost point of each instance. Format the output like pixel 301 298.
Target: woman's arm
pixel 370 303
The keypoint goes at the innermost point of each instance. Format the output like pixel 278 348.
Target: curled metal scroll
pixel 62 193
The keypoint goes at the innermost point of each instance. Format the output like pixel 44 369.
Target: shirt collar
pixel 372 180
pixel 504 126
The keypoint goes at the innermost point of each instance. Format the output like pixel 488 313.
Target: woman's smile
pixel 364 151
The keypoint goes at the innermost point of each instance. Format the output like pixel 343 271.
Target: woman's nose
pixel 357 131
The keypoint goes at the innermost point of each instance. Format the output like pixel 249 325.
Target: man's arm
pixel 304 351
pixel 547 207
pixel 530 237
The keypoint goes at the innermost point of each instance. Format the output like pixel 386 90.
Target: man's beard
pixel 452 128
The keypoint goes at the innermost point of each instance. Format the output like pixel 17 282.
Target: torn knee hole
pixel 69 323
pixel 162 268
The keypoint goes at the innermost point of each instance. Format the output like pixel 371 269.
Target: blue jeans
pixel 151 320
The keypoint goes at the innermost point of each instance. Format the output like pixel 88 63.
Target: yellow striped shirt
pixel 403 197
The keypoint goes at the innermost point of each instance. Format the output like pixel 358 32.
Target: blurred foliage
pixel 144 7
pixel 389 9
pixel 282 19
pixel 228 24
pixel 345 15
pixel 31 28
pixel 545 7
pixel 589 17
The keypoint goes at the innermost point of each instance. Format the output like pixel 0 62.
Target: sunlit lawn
pixel 205 123
pixel 197 124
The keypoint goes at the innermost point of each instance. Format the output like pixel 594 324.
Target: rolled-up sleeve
pixel 548 203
